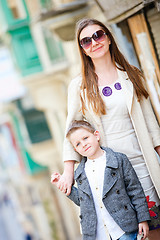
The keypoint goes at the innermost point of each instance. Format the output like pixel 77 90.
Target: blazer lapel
pixel 128 88
pixel 110 174
pixel 81 178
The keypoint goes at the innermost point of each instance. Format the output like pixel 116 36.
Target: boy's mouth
pixel 87 148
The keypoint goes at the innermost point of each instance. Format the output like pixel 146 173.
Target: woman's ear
pixel 97 135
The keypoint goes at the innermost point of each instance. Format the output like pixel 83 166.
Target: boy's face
pixel 86 143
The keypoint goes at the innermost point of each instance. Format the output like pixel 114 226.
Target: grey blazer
pixel 122 196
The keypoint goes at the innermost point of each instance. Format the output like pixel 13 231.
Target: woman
pixel 111 95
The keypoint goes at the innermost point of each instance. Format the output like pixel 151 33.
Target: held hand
pixel 59 181
pixel 143 230
pixel 65 183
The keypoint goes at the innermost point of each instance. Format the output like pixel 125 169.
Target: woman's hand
pixel 66 180
pixel 143 229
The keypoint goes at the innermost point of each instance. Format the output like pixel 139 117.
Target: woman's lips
pixel 97 49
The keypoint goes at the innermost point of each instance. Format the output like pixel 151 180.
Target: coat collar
pixel 109 174
pixel 111 162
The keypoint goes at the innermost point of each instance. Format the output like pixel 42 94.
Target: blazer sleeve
pixel 135 190
pixel 151 122
pixel 74 113
pixel 74 196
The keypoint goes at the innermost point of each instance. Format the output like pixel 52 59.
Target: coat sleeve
pixel 135 190
pixel 151 122
pixel 74 113
pixel 74 196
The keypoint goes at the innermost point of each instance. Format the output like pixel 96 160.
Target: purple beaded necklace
pixel 107 91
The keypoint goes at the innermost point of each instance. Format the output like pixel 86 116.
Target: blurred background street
pixel 38 59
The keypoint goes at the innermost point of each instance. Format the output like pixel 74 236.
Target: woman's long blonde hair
pixel 90 78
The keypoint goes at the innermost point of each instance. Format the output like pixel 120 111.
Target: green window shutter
pixel 25 51
pixel 46 4
pixel 54 47
pixel 36 125
pixel 11 16
pixel 30 165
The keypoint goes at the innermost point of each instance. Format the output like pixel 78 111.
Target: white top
pixel 120 134
pixel 95 173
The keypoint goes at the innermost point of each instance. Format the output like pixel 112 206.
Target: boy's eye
pixel 85 138
pixel 77 144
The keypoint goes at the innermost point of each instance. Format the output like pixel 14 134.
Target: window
pixel 35 121
pixel 36 125
pixel 17 8
pixel 54 47
pixel 14 12
pixel 25 51
pixel 46 4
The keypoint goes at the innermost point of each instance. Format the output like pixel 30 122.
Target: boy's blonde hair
pixel 76 124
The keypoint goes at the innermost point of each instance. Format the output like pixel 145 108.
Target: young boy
pixel 110 196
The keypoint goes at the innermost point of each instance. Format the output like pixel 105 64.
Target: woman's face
pixel 96 49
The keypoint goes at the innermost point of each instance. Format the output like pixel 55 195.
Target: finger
pixel 54 178
pixel 140 230
pixel 60 187
pixel 68 192
pixel 64 190
pixel 55 174
pixel 145 232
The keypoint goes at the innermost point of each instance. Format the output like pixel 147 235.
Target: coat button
pixel 80 216
pixel 80 198
pixel 80 181
pixel 113 174
pixel 125 207
pixel 117 191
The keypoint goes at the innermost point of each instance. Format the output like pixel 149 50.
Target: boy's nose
pixel 83 144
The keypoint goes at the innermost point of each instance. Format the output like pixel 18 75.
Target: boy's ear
pixel 97 135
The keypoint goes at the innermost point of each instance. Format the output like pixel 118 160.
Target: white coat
pixel 142 117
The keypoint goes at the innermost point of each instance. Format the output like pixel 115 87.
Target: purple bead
pixel 107 91
pixel 117 86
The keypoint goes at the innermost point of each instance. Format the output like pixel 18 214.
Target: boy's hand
pixel 143 230
pixel 55 177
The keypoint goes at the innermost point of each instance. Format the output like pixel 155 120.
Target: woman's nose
pixel 94 42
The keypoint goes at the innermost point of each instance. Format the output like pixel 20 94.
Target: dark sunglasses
pixel 98 36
